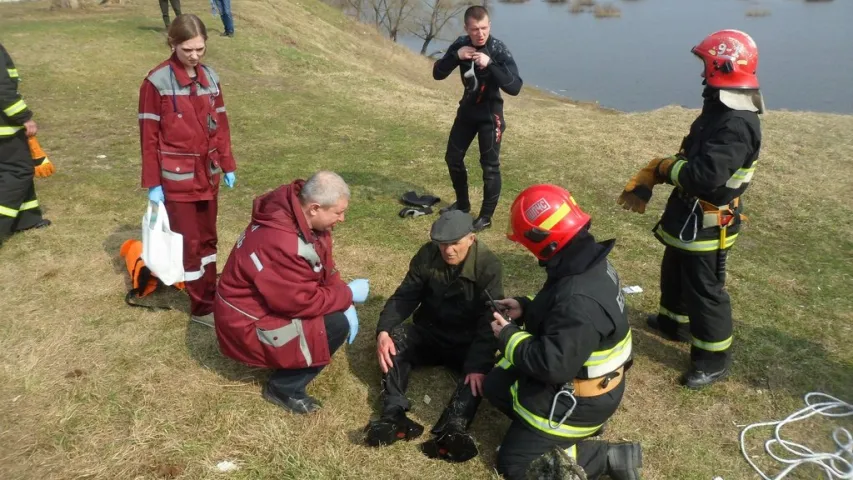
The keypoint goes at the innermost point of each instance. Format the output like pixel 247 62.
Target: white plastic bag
pixel 162 249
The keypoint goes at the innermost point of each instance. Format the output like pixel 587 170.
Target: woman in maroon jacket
pixel 186 146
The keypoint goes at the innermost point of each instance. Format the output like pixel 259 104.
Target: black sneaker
pixel 390 428
pixel 301 405
pixel 454 206
pixel 482 223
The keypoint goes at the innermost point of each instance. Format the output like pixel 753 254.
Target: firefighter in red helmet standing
pixel 565 351
pixel 702 218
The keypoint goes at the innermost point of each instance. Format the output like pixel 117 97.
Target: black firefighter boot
pixel 451 440
pixel 393 425
pixel 624 460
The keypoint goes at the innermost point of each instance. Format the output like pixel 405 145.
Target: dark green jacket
pixel 450 302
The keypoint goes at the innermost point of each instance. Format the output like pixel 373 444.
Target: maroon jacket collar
pixel 181 75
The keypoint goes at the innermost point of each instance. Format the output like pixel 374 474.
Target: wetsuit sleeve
pixel 723 154
pixel 407 297
pixel 446 64
pixel 505 72
pixel 558 353
pixel 149 133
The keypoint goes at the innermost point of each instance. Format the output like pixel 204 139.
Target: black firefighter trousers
pixel 416 347
pixel 487 124
pixel 693 296
pixel 19 207
pixel 521 445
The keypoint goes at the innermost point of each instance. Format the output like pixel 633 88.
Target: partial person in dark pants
pixel 562 375
pixel 280 302
pixel 446 291
pixel 223 7
pixel 292 382
pixel 19 206
pixel 702 218
pixel 486 68
pixel 164 9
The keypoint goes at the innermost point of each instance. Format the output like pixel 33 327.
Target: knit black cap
pixel 451 226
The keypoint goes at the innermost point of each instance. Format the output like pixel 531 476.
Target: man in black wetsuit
pixel 486 68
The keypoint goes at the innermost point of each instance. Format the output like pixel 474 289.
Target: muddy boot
pixel 624 460
pixel 392 426
pixel 555 464
pixel 453 445
pixel 452 442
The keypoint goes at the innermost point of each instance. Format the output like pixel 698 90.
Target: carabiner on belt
pixel 695 219
pixel 569 391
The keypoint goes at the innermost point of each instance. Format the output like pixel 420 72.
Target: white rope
pixel 838 465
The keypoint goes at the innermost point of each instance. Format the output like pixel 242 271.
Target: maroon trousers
pixel 196 221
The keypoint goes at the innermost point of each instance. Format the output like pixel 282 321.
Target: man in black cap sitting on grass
pixel 445 293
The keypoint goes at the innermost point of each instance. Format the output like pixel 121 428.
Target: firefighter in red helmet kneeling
pixel 702 218
pixel 561 374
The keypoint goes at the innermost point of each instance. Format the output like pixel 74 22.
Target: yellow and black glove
pixel 638 190
pixel 43 166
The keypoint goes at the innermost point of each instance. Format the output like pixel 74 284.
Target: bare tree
pixel 379 11
pixel 436 14
pixel 397 14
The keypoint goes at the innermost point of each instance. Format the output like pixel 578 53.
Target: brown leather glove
pixel 638 190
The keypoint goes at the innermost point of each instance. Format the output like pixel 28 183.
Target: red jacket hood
pixel 280 209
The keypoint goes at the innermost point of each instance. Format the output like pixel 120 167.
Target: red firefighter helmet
pixel 730 58
pixel 544 218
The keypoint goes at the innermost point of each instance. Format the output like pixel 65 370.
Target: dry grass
pixel 91 388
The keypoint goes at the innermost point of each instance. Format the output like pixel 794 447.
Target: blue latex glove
pixel 155 194
pixel 360 288
pixel 352 318
pixel 230 178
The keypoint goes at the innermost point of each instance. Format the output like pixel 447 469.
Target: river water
pixel 642 61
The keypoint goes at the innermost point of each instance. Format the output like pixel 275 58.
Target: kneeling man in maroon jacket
pixel 281 302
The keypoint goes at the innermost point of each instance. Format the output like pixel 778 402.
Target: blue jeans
pixel 224 7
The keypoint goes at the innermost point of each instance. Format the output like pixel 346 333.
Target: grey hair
pixel 325 188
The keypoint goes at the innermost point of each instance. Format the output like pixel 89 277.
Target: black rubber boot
pixel 697 379
pixel 624 461
pixel 392 426
pixel 454 444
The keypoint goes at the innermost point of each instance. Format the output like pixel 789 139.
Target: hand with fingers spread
pixel 385 349
pixel 475 380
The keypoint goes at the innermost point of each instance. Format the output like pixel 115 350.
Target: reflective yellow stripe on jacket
pixel 15 108
pixel 540 423
pixel 696 245
pixel 13 72
pixel 602 362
